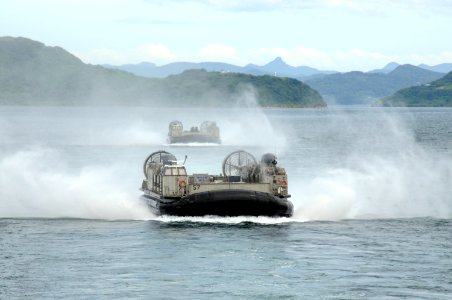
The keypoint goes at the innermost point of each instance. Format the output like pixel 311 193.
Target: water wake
pixel 405 182
pixel 38 183
pixel 138 132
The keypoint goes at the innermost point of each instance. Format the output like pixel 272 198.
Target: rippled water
pixel 372 191
pixel 354 259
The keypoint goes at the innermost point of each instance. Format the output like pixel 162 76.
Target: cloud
pixel 249 5
pixel 148 52
pixel 155 52
pixel 431 59
pixel 152 21
pixel 217 51
pixel 260 5
pixel 359 59
pixel 362 6
pixel 344 61
pixel 384 8
pixel 101 55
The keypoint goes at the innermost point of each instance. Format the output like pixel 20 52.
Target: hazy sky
pixel 326 34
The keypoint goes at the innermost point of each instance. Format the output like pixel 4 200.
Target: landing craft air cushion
pixel 208 132
pixel 245 188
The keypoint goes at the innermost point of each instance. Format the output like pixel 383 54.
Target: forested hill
pixel 364 88
pixel 34 74
pixel 272 91
pixel 436 93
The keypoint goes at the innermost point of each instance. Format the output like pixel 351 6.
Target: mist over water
pixel 86 163
pixel 416 185
pixel 387 173
pixel 38 183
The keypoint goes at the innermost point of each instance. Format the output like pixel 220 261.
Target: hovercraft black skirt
pixel 223 203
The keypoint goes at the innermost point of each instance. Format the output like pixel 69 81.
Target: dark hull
pixel 223 203
pixel 194 138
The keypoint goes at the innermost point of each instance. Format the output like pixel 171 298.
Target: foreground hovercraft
pixel 246 188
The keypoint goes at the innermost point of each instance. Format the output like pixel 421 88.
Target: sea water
pixel 371 188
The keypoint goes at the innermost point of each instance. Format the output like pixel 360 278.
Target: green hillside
pixel 364 88
pixel 436 93
pixel 34 74
pixel 272 91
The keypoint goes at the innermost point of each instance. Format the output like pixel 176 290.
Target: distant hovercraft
pixel 208 132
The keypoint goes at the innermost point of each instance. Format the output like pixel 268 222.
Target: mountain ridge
pixel 32 73
pixel 364 88
pixel 275 67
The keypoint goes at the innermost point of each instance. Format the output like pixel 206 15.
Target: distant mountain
pixel 151 70
pixel 34 74
pixel 365 88
pixel 386 69
pixel 276 67
pixel 436 93
pixel 442 68
pixel 279 68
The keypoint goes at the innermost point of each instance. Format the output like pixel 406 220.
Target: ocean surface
pixel 372 190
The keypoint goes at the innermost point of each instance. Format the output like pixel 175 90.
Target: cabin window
pixel 182 172
pixel 174 171
pixel 168 172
